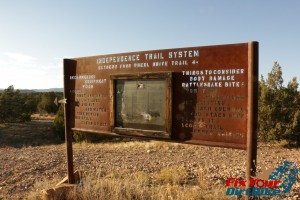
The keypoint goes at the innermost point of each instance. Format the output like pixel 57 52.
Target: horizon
pixel 30 89
pixel 35 38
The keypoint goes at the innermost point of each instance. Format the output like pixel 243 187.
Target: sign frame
pixel 252 112
pixel 167 77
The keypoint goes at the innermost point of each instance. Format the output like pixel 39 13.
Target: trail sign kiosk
pixel 200 95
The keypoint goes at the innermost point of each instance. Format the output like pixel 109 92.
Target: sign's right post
pixel 252 110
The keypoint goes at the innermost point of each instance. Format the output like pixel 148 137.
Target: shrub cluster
pixel 279 108
pixel 14 107
pixel 17 106
pixel 58 123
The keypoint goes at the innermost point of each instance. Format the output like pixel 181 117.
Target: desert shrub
pixel 79 136
pixel 59 127
pixel 58 123
pixel 279 108
pixel 13 106
pixel 46 105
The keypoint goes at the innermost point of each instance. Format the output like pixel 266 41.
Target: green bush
pixel 58 123
pixel 79 136
pixel 59 127
pixel 45 104
pixel 13 107
pixel 279 108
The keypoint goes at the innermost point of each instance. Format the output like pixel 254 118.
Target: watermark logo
pixel 280 182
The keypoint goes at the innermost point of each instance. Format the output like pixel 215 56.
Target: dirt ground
pixel 30 152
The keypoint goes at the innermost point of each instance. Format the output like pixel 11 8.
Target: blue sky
pixel 35 35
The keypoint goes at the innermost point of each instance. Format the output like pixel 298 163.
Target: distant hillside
pixel 39 90
pixel 49 90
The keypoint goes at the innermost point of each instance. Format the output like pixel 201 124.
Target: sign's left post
pixel 68 67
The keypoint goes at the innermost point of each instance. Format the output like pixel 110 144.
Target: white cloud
pixel 19 57
pixel 28 72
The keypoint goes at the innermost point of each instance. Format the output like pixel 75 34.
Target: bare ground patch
pixel 33 133
pixel 26 170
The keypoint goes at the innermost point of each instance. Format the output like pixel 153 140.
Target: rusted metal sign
pixel 201 95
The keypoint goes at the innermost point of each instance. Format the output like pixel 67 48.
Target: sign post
pixel 68 132
pixel 252 111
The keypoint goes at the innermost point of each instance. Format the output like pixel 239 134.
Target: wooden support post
pixel 252 111
pixel 68 131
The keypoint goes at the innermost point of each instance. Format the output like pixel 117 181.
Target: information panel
pixel 203 99
pixel 140 104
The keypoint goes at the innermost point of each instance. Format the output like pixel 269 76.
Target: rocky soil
pixel 30 153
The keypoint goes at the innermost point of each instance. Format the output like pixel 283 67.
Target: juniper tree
pixel 279 112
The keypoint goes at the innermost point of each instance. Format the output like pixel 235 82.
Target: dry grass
pixel 47 117
pixel 40 185
pixel 172 175
pixel 123 168
pixel 148 146
pixel 166 184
